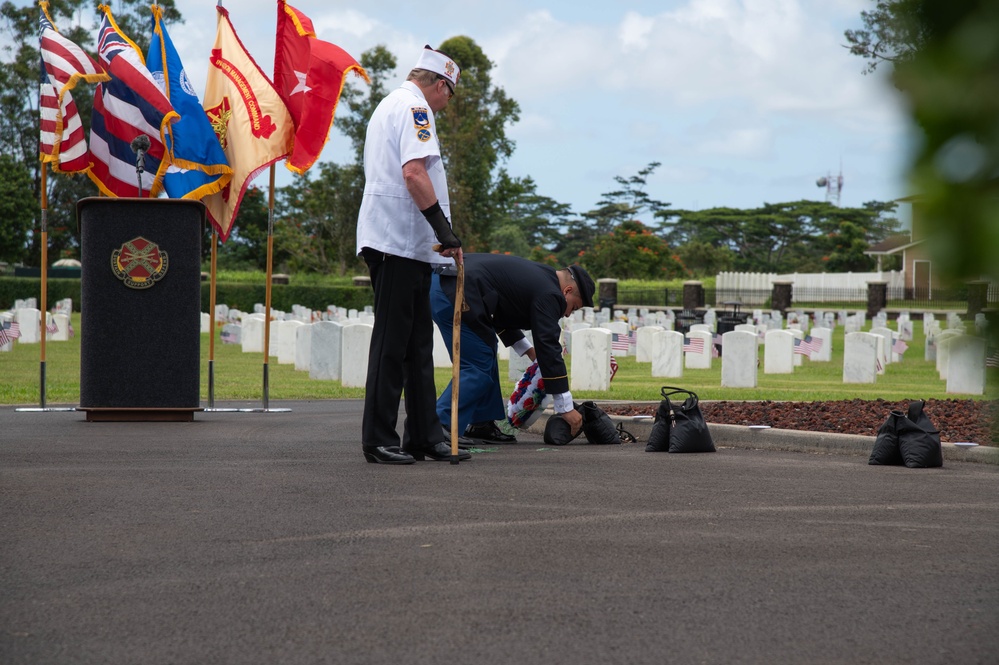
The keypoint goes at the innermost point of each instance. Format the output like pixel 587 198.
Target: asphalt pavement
pixel 247 537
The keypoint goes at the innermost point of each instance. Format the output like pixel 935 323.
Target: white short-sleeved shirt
pixel 401 129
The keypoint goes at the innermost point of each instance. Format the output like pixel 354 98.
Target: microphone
pixel 140 144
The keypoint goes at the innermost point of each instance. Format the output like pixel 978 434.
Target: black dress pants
pixel 401 353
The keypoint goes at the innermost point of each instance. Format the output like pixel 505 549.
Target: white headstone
pixel 327 351
pixel 442 355
pixel 860 356
pixel 253 333
pixel 943 341
pixel 29 319
pixel 966 365
pixel 590 360
pixel 889 338
pixel 287 339
pixel 519 364
pixel 738 363
pixel 796 358
pixel 778 352
pixel 824 354
pixel 354 354
pixel 643 343
pixel 206 321
pixel 667 354
pixel 303 347
pixel 702 359
pixel 61 333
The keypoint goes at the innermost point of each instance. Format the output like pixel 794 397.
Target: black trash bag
pixel 918 439
pixel 680 428
pixel 558 432
pixel 598 428
pixel 886 451
pixel 659 437
pixel 908 438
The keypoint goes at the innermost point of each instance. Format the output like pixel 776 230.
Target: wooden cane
pixel 459 305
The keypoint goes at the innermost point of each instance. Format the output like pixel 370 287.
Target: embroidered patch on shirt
pixel 421 117
pixel 423 135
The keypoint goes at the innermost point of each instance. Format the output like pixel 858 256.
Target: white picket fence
pixel 821 286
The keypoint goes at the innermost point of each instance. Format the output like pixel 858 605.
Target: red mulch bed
pixel 957 419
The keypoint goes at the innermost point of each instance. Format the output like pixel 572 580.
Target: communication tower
pixel 833 185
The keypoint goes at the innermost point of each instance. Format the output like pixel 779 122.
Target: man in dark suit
pixel 505 296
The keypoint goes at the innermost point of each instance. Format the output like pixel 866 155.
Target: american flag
pixel 228 336
pixel 130 104
pixel 693 345
pixel 622 342
pixel 51 326
pixel 992 358
pixel 899 347
pixel 62 140
pixel 716 344
pixel 808 345
pixel 613 366
pixel 9 332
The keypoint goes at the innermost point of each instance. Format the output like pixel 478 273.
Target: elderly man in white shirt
pixel 404 213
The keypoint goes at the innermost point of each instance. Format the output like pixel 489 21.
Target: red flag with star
pixel 309 74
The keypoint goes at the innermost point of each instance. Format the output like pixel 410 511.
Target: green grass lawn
pixel 239 376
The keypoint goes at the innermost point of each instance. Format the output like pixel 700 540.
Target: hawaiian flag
pixel 808 345
pixel 199 167
pixel 251 122
pixel 693 344
pixel 62 141
pixel 130 104
pixel 309 74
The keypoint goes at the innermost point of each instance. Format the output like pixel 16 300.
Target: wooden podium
pixel 140 326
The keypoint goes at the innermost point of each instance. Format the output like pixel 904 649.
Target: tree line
pixel 627 234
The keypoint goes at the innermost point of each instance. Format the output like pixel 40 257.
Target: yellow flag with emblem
pixel 251 122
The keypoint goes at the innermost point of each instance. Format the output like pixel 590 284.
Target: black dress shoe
pixel 437 452
pixel 387 455
pixel 488 432
pixel 463 441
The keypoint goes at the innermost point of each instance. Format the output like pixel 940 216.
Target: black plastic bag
pixel 680 428
pixel 558 432
pixel 598 428
pixel 909 439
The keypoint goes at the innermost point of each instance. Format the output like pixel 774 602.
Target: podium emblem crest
pixel 139 263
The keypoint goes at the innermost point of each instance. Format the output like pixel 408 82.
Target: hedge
pixel 239 296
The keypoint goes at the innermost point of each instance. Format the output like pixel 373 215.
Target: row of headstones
pixel 960 358
pixel 331 352
pixel 330 344
pixel 58 327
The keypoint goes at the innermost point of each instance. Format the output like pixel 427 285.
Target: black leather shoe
pixel 488 432
pixel 387 455
pixel 463 441
pixel 438 452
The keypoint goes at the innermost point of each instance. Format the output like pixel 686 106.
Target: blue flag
pixel 199 167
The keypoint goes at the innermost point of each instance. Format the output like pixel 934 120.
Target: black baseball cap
pixel 584 283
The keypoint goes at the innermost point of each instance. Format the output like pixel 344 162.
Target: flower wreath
pixel 527 399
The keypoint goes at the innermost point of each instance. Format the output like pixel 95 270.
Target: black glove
pixel 441 227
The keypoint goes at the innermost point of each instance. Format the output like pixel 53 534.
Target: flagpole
pixel 43 301
pixel 267 299
pixel 211 315
pixel 267 288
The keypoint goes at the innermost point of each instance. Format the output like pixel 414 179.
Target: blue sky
pixel 742 101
